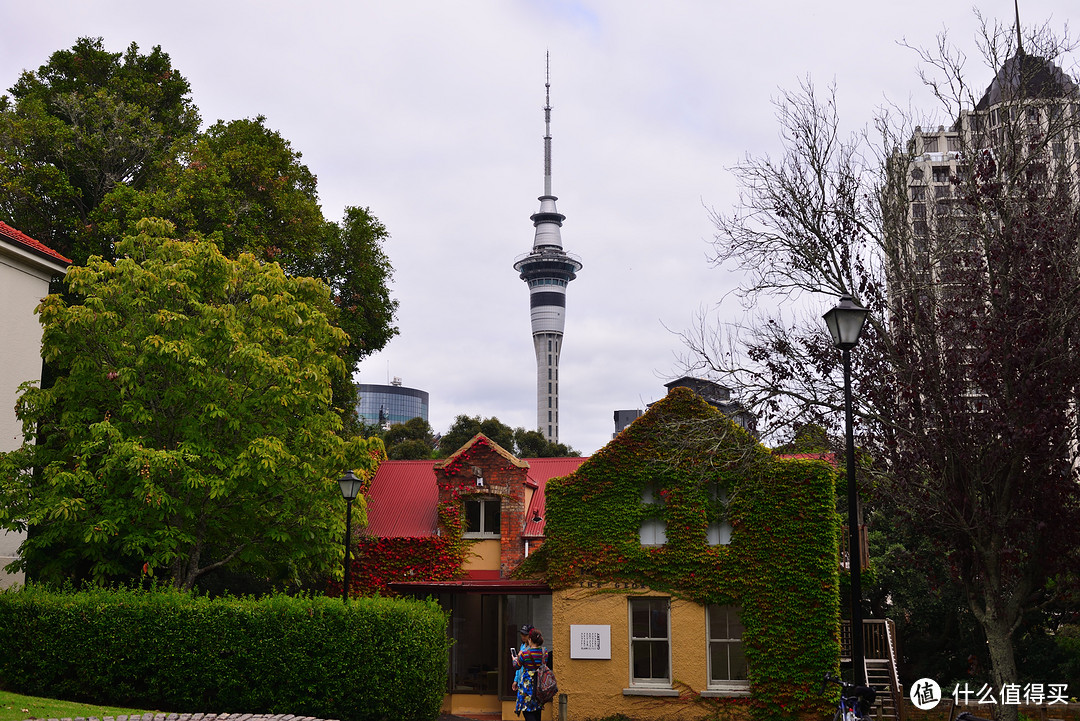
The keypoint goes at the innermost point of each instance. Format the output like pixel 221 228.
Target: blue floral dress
pixel 529 661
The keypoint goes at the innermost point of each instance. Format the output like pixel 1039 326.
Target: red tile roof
pixel 403 497
pixel 20 238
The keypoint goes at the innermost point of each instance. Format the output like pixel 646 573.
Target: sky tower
pixel 547 270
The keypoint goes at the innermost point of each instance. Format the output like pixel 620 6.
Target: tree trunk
pixel 999 640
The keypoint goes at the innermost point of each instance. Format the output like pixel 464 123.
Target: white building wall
pixel 24 281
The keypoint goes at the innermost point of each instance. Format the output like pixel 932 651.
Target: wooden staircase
pixel 879 649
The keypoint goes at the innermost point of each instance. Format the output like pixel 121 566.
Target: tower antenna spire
pixel 1019 39
pixel 547 125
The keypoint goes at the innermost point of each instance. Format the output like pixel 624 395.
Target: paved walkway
pixel 194 717
pixel 229 717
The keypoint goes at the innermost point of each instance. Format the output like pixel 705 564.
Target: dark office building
pixel 387 405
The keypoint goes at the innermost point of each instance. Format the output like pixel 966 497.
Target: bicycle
pixel 855 701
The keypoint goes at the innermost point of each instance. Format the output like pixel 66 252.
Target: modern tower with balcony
pixel 547 270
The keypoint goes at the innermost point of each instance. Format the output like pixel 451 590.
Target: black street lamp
pixel 845 323
pixel 350 489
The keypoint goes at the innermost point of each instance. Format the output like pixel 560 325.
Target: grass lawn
pixel 14 707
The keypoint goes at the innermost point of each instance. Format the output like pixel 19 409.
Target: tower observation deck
pixel 547 270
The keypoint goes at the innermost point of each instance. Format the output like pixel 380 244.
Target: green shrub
pixel 368 660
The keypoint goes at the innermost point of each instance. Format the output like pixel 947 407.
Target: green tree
pixel 412 440
pixel 520 442
pixel 465 427
pixel 95 141
pixel 190 427
pixel 83 124
pixel 533 444
pixel 243 186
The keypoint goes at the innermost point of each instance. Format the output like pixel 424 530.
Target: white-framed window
pixel 650 644
pixel 653 532
pixel 727 660
pixel 718 533
pixel 483 517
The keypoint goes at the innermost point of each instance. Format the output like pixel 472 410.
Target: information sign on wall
pixel 590 641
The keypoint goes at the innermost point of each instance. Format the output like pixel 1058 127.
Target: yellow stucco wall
pixel 485 556
pixel 596 688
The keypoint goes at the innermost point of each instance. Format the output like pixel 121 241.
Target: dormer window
pixel 483 517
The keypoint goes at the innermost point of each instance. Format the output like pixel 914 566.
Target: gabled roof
pixel 23 240
pixel 490 444
pixel 403 498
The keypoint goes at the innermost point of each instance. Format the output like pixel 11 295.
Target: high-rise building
pixel 978 215
pixel 547 269
pixel 1025 126
pixel 386 405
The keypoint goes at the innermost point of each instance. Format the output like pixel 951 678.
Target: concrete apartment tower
pixel 547 269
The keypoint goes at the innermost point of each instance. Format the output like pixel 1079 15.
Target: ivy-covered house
pixel 692 572
pixel 457 530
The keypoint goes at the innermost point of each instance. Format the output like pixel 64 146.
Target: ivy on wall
pixel 378 562
pixel 687 464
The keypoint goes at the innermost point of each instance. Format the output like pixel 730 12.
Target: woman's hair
pixel 536 637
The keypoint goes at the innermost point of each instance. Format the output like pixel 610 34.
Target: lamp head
pixel 846 322
pixel 350 486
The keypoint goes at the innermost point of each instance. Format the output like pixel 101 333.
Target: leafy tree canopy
pixel 412 440
pixel 83 124
pixel 93 141
pixel 191 425
pixel 520 442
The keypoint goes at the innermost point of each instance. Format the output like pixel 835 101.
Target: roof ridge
pixel 17 236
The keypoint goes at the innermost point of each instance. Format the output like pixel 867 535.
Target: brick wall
pixel 503 477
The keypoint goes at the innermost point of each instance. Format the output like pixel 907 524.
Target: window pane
pixel 738 662
pixel 659 653
pixel 650 660
pixel 658 620
pixel 639 613
pixel 642 665
pixel 491 516
pixel 735 627
pixel 718 663
pixel 472 516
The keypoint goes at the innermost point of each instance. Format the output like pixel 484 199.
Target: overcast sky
pixel 431 114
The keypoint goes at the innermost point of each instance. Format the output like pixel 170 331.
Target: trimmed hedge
pixel 368 660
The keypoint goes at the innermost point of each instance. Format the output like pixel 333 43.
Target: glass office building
pixel 387 405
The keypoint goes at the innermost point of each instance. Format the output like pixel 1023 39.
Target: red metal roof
pixel 540 470
pixel 403 497
pixel 402 500
pixel 21 238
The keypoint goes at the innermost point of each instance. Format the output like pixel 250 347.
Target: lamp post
pixel 845 323
pixel 350 489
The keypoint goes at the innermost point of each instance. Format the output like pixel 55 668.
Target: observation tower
pixel 547 270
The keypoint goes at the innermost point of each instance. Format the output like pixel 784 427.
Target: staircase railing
pixel 879 642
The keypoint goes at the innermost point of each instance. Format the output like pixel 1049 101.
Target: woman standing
pixel 529 661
